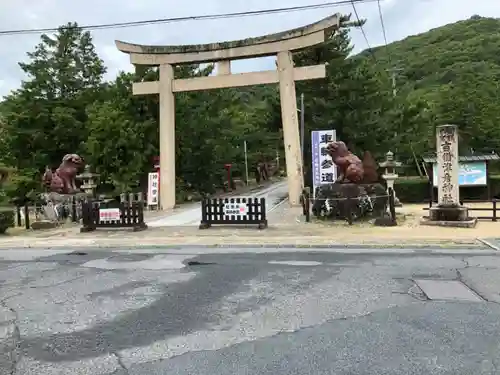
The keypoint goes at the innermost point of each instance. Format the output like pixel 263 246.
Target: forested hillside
pixel 449 74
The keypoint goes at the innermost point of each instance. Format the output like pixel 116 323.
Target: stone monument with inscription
pixel 449 211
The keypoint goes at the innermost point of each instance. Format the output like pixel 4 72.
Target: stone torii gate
pixel 280 45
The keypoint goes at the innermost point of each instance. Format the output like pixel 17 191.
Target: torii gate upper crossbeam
pixel 279 44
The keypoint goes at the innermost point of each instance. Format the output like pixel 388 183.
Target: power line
pixel 362 30
pixel 393 70
pixel 118 25
pixel 382 22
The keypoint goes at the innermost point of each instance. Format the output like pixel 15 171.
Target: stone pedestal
pixel 449 212
pixel 450 216
pixel 397 203
pixel 364 200
pixel 44 224
pixel 390 179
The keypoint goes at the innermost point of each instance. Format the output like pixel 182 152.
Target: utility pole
pixel 246 159
pixel 393 77
pixel 394 73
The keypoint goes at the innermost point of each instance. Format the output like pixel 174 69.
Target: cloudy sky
pixel 401 17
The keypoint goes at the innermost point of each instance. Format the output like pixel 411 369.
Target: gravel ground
pixel 286 226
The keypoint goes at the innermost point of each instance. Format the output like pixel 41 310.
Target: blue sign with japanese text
pixel 324 171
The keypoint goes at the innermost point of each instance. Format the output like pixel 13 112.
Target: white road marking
pixel 159 262
pixel 296 262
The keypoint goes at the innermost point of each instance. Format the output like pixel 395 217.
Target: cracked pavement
pixel 130 312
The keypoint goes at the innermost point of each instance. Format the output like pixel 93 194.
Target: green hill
pixel 440 55
pixel 450 74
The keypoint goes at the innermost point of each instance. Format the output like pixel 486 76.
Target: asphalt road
pixel 141 313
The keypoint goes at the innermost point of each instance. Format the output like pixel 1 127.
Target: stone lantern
pixel 390 175
pixel 88 181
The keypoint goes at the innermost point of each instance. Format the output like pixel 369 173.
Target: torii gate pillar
pixel 291 136
pixel 167 137
pixel 280 45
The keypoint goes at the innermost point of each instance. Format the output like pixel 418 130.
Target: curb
pixel 489 244
pixel 333 248
pixel 310 246
pixel 261 245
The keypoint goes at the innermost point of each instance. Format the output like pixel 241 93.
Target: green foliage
pixel 14 184
pixel 46 118
pixel 351 99
pixel 118 144
pixel 6 219
pixel 417 190
pixel 412 190
pixel 450 75
pixel 22 185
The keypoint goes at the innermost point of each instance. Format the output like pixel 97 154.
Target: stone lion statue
pixel 350 166
pixel 63 180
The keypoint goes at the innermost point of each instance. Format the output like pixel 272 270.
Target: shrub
pixel 495 186
pixel 6 219
pixel 416 190
pixel 19 186
pixel 412 190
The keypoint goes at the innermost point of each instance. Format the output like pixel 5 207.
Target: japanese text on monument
pixel 447 140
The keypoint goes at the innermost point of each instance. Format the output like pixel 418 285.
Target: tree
pixel 351 99
pixel 46 118
pixel 210 129
pixel 450 74
pixel 122 134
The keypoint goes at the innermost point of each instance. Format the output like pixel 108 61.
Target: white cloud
pixel 401 18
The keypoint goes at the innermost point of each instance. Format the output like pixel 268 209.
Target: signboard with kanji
pixel 109 214
pixel 235 209
pixel 323 168
pixel 153 184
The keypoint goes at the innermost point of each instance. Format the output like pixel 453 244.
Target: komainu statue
pixel 349 165
pixel 63 181
pixel 356 194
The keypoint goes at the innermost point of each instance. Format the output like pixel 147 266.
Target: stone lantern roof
pixel 389 161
